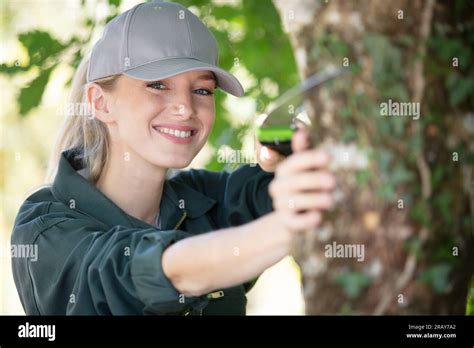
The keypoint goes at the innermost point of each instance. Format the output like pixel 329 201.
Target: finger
pixel 306 181
pixel 268 159
pixel 302 161
pixel 301 140
pixel 307 201
pixel 304 221
pixel 268 156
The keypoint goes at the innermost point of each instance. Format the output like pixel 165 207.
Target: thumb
pixel 268 158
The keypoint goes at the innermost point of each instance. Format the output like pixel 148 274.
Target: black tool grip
pixel 283 147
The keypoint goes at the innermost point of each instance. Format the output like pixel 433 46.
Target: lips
pixel 177 133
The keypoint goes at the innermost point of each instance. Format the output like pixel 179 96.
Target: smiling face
pixel 165 123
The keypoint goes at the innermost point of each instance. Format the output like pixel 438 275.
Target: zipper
pixel 216 294
pixel 212 295
pixel 181 220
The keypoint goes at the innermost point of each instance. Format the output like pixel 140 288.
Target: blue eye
pixel 203 91
pixel 156 85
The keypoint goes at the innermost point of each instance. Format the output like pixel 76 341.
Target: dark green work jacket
pixel 94 259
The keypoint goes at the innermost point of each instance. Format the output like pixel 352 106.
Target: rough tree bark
pixel 401 271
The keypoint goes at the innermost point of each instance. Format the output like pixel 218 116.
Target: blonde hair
pixel 81 131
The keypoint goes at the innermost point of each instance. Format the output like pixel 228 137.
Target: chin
pixel 173 158
pixel 175 163
pixel 179 165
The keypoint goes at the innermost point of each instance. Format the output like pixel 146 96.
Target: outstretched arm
pixel 231 256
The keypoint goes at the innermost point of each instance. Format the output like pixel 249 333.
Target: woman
pixel 114 235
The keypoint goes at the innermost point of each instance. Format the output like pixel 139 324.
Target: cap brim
pixel 169 67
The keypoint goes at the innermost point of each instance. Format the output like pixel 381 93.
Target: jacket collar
pixel 77 192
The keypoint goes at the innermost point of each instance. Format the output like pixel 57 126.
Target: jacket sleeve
pixel 96 271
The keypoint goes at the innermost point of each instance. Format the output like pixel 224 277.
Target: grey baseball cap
pixel 156 40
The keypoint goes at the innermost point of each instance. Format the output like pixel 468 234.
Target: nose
pixel 182 104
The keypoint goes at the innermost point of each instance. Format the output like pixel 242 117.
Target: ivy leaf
pixel 400 174
pixel 353 283
pixel 419 212
pixel 459 89
pixel 437 277
pixel 31 95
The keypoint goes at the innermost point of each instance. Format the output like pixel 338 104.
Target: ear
pixel 98 100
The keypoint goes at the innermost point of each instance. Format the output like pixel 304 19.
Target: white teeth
pixel 174 132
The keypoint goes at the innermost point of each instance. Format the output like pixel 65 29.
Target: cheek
pixel 209 121
pixel 136 113
pixel 207 115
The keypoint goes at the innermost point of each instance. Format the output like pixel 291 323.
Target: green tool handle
pixel 277 138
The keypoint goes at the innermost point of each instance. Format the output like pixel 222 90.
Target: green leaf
pixel 384 159
pixel 437 176
pixel 110 17
pixel 413 246
pixel 470 299
pixel 444 202
pixel 419 212
pixel 12 69
pixel 349 133
pixel 115 3
pixel 345 112
pixel 400 174
pixel 31 95
pixel 437 277
pixel 386 191
pixel 353 283
pixel 459 89
pixel 225 12
pixel 387 68
pixel 40 46
pixel 362 177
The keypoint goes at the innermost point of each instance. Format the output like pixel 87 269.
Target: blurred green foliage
pixel 353 283
pixel 437 277
pixel 470 299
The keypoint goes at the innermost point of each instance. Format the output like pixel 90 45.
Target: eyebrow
pixel 207 77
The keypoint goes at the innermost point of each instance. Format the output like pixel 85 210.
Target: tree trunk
pixel 399 240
